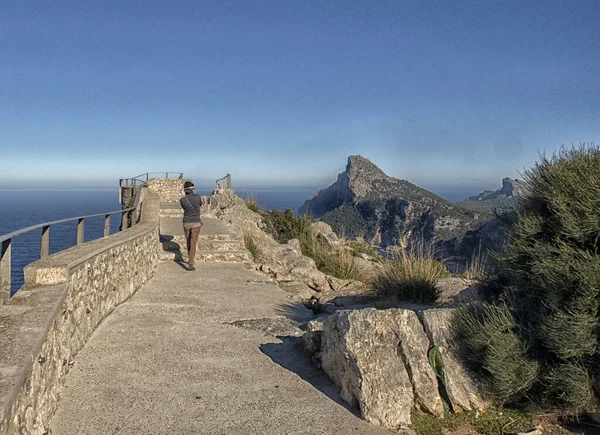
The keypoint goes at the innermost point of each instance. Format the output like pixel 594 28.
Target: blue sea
pixel 20 209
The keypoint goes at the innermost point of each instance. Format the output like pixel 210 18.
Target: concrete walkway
pixel 169 361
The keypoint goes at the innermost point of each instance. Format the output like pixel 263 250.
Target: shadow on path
pixel 289 355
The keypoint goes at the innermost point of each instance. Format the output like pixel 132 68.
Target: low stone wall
pixel 169 190
pixel 65 297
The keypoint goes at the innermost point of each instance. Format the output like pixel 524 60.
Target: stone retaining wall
pixel 169 190
pixel 65 297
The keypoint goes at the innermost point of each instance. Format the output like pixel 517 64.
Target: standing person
pixel 192 223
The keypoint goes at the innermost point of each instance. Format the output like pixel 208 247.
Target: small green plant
pixel 251 245
pixel 252 203
pixel 285 226
pixel 314 304
pixel 411 277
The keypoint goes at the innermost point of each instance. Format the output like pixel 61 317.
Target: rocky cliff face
pixel 365 202
pixel 510 188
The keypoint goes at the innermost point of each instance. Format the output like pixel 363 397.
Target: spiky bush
pixel 549 277
pixel 411 276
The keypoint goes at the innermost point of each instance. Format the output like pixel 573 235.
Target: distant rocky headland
pixel 366 203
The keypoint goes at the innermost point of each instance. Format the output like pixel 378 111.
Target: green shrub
pixel 285 226
pixel 548 276
pixel 411 277
pixel 252 204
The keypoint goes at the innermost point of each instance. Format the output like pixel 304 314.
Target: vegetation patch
pixel 537 335
pixel 495 421
pixel 285 226
pixel 411 276
pixel 252 203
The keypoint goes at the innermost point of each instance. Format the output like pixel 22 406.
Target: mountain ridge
pixel 367 203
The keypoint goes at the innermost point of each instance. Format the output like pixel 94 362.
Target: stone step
pixel 173 214
pixel 180 238
pixel 233 256
pixel 205 245
pixel 205 256
pixel 221 245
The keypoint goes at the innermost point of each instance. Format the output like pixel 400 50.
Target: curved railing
pixel 127 220
pixel 225 182
pixel 143 178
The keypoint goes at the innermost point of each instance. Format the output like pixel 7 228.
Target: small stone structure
pixel 65 297
pixel 168 189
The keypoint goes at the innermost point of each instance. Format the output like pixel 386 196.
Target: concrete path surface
pixel 168 361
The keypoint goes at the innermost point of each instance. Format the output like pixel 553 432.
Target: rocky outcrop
pixel 283 262
pixel 379 361
pixel 365 202
pixel 510 188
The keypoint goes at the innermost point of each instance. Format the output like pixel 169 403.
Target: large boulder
pixel 460 384
pixel 378 359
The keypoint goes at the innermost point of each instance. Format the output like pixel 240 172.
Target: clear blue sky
pixel 446 94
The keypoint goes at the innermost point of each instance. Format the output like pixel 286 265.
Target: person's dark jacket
pixel 191 203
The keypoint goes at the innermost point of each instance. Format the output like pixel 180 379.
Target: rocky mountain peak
pixel 510 188
pixel 513 187
pixel 362 174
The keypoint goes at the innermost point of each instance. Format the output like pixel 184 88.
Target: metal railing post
pixel 106 225
pixel 80 231
pixel 228 181
pixel 45 242
pixel 5 271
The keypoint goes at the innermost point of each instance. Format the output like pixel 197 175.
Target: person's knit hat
pixel 188 185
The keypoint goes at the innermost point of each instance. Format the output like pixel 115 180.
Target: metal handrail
pixel 226 182
pixel 147 175
pixel 6 240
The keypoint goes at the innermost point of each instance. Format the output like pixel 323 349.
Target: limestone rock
pixel 295 245
pixel 378 359
pixel 312 339
pixel 460 384
pixel 368 268
pixel 325 230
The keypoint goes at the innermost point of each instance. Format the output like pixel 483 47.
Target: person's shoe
pixel 191 267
